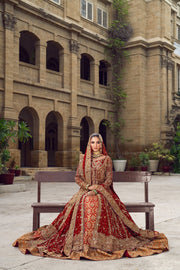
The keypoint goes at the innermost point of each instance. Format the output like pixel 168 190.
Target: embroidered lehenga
pixel 93 227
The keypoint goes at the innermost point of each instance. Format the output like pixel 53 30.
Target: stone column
pixel 39 154
pixel 16 54
pixel 95 76
pixel 73 125
pixel 41 61
pixel 9 22
pixel 10 70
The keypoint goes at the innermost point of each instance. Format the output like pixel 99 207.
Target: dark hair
pixel 95 135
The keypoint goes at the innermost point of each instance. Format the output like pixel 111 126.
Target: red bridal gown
pixel 94 227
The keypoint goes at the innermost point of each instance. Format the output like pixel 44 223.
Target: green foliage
pixel 155 151
pixel 9 132
pixel 23 131
pixel 158 151
pixel 134 161
pixel 119 33
pixel 175 150
pixel 5 156
pixel 144 159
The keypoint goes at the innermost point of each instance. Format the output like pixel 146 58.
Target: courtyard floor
pixel 16 219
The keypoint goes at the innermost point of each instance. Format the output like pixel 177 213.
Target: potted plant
pixel 17 171
pixel 1 170
pixel 154 152
pixel 167 160
pixel 6 177
pixel 133 163
pixel 144 161
pixel 9 131
pixel 13 168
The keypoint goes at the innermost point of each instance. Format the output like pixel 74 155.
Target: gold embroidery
pixel 95 227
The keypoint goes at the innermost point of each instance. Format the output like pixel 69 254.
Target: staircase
pixel 31 171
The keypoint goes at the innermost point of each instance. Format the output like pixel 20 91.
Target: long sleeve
pixel 109 173
pixel 78 178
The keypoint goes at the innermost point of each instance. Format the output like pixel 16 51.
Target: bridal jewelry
pixel 96 155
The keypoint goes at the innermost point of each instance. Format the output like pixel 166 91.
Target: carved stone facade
pixel 74 47
pixel 9 21
pixel 51 76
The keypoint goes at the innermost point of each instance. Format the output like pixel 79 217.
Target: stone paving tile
pixel 16 219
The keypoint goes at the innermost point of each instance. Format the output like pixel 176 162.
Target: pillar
pixel 9 22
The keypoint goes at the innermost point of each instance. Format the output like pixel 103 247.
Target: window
pixel 178 10
pixel 85 67
pixel 27 47
pixel 173 24
pixel 102 17
pixel 87 9
pixel 103 73
pixel 52 56
pixel 178 80
pixel 178 32
pixel 56 1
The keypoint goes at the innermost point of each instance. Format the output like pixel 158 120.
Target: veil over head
pixel 88 156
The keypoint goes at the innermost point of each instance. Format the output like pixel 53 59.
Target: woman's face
pixel 95 144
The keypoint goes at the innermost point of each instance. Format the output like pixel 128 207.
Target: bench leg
pixel 36 218
pixel 150 220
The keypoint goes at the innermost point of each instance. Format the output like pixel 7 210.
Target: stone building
pixel 152 82
pixel 54 75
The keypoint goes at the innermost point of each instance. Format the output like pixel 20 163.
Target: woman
pixel 94 223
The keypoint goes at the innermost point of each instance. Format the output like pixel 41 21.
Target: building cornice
pixel 150 43
pixel 81 95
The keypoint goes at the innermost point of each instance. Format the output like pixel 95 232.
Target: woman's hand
pixel 90 193
pixel 92 187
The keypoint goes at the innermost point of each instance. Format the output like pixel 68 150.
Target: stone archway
pixel 54 140
pixel 103 131
pixel 29 115
pixel 87 127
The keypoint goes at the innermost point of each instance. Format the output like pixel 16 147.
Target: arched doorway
pixel 87 128
pixel 103 131
pixel 53 136
pixel 30 116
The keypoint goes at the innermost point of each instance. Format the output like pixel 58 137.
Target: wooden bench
pixel 68 176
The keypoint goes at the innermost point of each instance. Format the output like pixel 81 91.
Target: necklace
pixel 97 155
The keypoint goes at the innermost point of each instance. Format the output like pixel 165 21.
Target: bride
pixel 94 224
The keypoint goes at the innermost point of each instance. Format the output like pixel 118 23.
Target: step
pixel 20 184
pixel 32 171
pixel 15 187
